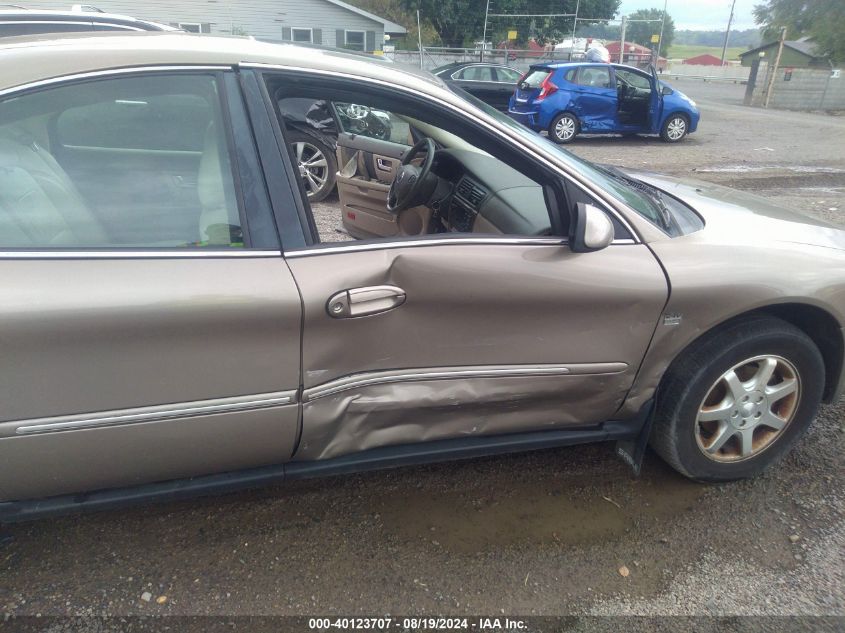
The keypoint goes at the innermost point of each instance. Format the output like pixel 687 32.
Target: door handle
pixel 383 164
pixel 358 302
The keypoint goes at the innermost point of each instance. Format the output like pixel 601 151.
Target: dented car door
pixel 414 341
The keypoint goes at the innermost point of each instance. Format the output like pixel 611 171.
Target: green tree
pixel 822 20
pixel 641 32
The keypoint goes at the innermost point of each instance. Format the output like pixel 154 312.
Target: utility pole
pixel 574 26
pixel 660 38
pixel 484 37
pixel 419 39
pixel 728 32
pixel 622 39
pixel 774 69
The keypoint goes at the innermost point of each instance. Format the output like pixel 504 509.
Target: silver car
pixel 173 324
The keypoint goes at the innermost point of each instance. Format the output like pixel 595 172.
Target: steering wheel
pixel 412 185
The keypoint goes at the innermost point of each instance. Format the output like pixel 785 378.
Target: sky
pixel 703 15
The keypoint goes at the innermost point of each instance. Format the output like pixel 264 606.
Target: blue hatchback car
pixel 569 98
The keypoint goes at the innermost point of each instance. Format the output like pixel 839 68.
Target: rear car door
pixel 144 335
pixel 480 81
pixel 594 99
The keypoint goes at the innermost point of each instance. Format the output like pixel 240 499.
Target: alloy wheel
pixel 676 128
pixel 313 167
pixel 747 409
pixel 565 128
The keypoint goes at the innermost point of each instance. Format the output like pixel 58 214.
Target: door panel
pixel 367 168
pixel 491 338
pixel 161 183
pixel 80 337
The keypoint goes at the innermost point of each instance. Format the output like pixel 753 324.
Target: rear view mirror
pixel 592 231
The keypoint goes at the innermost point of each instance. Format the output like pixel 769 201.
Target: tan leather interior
pixel 362 189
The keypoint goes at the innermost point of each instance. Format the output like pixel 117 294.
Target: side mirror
pixel 593 230
pixel 666 91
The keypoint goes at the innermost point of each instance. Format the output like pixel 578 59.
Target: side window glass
pixel 138 162
pixel 633 79
pixel 477 73
pixel 594 76
pixel 570 75
pixel 507 75
pixel 372 123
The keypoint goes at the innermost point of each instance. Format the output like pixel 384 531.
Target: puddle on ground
pixel 532 513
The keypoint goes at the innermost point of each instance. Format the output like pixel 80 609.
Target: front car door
pixel 465 333
pixel 149 329
pixel 594 99
pixel 656 105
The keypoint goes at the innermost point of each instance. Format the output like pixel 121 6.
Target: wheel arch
pixel 668 115
pixel 816 322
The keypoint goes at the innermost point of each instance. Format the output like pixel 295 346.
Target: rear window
pixel 535 77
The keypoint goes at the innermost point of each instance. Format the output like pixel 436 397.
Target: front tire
pixel 563 128
pixel 738 400
pixel 675 128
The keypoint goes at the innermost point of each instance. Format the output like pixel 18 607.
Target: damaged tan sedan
pixel 172 324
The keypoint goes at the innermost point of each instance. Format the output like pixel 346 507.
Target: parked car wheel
pixel 564 127
pixel 738 400
pixel 317 165
pixel 674 128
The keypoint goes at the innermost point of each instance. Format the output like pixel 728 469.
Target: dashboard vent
pixel 470 192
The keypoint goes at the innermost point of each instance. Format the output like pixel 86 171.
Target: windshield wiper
pixel 654 194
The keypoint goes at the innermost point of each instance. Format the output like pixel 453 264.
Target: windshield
pixel 641 201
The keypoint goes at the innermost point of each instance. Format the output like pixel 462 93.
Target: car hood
pixel 732 215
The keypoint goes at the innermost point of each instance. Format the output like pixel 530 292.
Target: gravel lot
pixel 543 533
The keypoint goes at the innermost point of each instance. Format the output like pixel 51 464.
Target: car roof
pixel 458 65
pixel 557 65
pixel 9 15
pixel 31 59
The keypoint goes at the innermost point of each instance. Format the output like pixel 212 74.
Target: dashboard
pixel 487 196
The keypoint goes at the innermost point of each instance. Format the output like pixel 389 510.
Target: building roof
pixel 805 46
pixel 704 60
pixel 389 27
pixel 613 47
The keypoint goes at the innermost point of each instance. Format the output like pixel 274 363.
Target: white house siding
pixel 266 19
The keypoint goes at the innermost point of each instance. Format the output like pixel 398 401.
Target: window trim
pixel 479 65
pixel 310 30
pixel 135 252
pixel 346 33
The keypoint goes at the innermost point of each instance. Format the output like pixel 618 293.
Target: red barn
pixel 703 60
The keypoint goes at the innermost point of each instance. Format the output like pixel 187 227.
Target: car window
pixel 507 75
pixel 373 123
pixel 117 163
pixel 476 73
pixel 593 76
pixel 535 77
pixel 470 185
pixel 570 75
pixel 633 79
